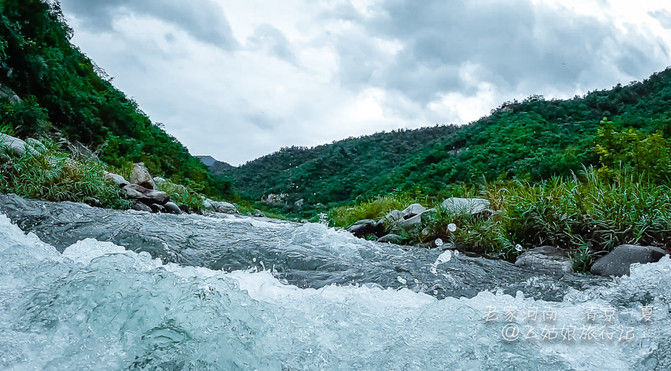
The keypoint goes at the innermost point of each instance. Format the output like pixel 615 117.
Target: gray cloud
pixel 663 16
pixel 273 41
pixel 205 20
pixel 514 45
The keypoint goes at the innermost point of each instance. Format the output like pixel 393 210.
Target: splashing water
pixel 100 305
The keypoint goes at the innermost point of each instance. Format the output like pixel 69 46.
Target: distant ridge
pixel 216 167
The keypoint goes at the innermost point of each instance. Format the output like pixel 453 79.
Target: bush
pixel 182 195
pixel 50 174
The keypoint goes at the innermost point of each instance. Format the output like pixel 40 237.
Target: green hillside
pixel 65 95
pixel 533 139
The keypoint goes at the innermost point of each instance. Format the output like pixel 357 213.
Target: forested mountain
pixel 532 139
pixel 63 94
pixel 334 172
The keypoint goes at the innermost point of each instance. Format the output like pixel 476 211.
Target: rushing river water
pixel 94 288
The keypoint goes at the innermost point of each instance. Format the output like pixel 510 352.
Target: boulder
pixel 116 178
pixel 172 208
pixel 258 213
pixel 412 210
pixel 156 208
pixel 414 220
pixel 299 204
pixel 220 206
pixel 140 175
pixel 466 205
pixel 13 145
pixel 546 258
pixel 139 206
pixel 393 216
pixel 274 199
pixel 148 196
pixel 391 238
pixel 364 227
pixel 158 179
pixel 618 261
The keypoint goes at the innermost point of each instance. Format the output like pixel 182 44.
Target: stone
pixel 258 213
pixel 393 216
pixel 116 178
pixel 466 205
pixel 92 201
pixel 365 227
pixel 139 206
pixel 222 207
pixel 274 199
pixel 172 208
pixel 299 204
pixel 13 145
pixel 156 208
pixel 158 179
pixel 618 261
pixel 391 238
pixel 412 210
pixel 146 195
pixel 546 258
pixel 140 175
pixel 415 220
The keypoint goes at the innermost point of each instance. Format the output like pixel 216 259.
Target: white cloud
pixel 300 72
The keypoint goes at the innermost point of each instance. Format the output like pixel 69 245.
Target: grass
pixel 587 214
pixel 50 174
pixel 181 194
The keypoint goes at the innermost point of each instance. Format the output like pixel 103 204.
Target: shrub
pixel 182 195
pixel 50 174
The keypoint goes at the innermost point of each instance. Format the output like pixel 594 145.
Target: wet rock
pixel 618 261
pixel 117 179
pixel 412 210
pixel 391 238
pixel 172 208
pixel 156 208
pixel 466 205
pixel 139 206
pixel 140 175
pixel 546 258
pixel 365 227
pixel 148 196
pixel 13 145
pixel 92 201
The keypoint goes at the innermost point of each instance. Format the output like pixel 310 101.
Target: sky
pixel 238 79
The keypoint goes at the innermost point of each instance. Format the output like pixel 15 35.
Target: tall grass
pixel 50 174
pixel 585 214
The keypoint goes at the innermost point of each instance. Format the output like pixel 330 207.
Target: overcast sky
pixel 240 79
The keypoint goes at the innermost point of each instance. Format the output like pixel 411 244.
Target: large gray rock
pixel 466 205
pixel 148 196
pixel 412 210
pixel 546 258
pixel 13 145
pixel 172 208
pixel 220 206
pixel 139 206
pixel 415 220
pixel 618 261
pixel 391 238
pixel 116 178
pixel 140 175
pixel 364 227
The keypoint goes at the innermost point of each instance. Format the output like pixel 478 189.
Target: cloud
pixel 235 82
pixel 205 20
pixel 663 16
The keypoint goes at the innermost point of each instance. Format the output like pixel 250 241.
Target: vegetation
pixel 626 200
pixel 65 95
pixel 49 174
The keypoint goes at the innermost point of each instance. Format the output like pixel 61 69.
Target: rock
pixel 364 227
pixel 274 199
pixel 391 238
pixel 393 216
pixel 220 206
pixel 416 220
pixel 139 206
pixel 156 208
pixel 185 209
pixel 412 210
pixel 9 95
pixel 172 208
pixel 140 175
pixel 258 213
pixel 158 179
pixel 80 150
pixel 546 258
pixel 92 201
pixel 13 145
pixel 116 178
pixel 466 205
pixel 618 261
pixel 299 204
pixel 148 196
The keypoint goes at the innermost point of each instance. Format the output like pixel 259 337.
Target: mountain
pixel 64 95
pixel 533 139
pixel 216 167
